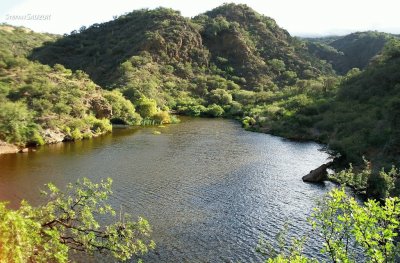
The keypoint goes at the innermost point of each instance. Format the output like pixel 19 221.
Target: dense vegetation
pixel 351 51
pixel 228 62
pixel 352 232
pixel 45 104
pixel 69 222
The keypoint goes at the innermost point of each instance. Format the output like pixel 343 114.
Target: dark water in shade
pixel 208 188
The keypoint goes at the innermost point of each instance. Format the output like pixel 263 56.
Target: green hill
pixel 42 104
pixel 228 62
pixel 232 40
pixel 351 51
pixel 361 116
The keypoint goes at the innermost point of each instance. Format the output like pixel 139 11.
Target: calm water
pixel 209 188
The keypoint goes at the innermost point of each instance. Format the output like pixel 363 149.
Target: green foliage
pixel 162 117
pixel 248 122
pixel 17 125
pixel 345 225
pixel 220 96
pixel 147 108
pixel 215 110
pixel 341 220
pixel 122 109
pixel 355 50
pixel 356 180
pixel 68 221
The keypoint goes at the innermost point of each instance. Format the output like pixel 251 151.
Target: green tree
pixel 69 221
pixel 146 107
pixel 17 125
pixel 122 109
pixel 215 110
pixel 220 96
pixel 344 223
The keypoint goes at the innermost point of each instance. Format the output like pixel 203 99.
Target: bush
pixel 248 122
pixel 220 96
pixel 122 109
pixel 68 221
pixel 193 110
pixel 76 135
pixel 146 107
pixel 16 124
pixel 215 110
pixel 162 117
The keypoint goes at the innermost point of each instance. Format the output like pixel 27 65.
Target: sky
pixel 299 17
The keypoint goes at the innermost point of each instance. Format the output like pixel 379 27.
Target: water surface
pixel 209 189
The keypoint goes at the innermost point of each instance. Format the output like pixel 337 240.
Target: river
pixel 209 188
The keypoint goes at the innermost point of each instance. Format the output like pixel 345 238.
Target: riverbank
pixel 204 185
pixel 7 148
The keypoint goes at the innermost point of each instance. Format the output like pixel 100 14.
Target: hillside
pixel 242 44
pixel 228 62
pixel 41 104
pixel 360 117
pixel 351 51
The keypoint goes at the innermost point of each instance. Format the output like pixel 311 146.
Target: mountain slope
pixel 42 104
pixel 255 45
pixel 361 116
pixel 100 49
pixel 351 51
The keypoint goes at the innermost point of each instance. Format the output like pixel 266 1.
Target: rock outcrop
pixel 101 107
pixel 52 136
pixel 318 175
pixel 7 148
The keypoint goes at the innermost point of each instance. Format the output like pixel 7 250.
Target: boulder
pixel 318 175
pixel 7 148
pixel 52 136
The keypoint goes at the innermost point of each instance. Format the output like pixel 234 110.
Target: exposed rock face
pixel 101 107
pixel 52 136
pixel 318 175
pixel 7 148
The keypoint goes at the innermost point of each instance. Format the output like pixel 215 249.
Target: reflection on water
pixel 209 188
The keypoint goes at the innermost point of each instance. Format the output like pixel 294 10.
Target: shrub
pixel 215 110
pixel 162 117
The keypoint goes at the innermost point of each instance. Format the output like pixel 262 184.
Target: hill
pixel 230 62
pixel 351 51
pixel 243 45
pixel 42 104
pixel 359 117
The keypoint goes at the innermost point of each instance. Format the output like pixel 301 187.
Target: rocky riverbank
pixel 6 148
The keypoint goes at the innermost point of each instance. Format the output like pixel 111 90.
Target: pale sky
pixel 299 17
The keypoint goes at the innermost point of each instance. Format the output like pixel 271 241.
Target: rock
pixel 318 175
pixel 7 148
pixel 52 136
pixel 101 107
pixel 24 150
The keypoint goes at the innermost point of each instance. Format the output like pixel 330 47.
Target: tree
pixel 68 221
pixel 16 124
pixel 146 107
pixel 277 65
pixel 344 224
pixel 215 110
pixel 341 219
pixel 122 109
pixel 220 96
